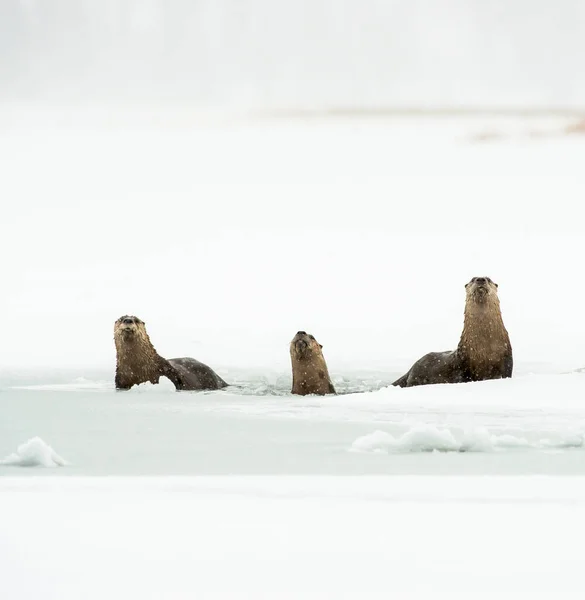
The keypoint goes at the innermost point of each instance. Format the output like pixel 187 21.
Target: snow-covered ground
pixel 227 235
pixel 302 538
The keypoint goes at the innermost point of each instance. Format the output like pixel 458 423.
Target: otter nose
pixel 127 321
pixel 301 333
pixel 480 280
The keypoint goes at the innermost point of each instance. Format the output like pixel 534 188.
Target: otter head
pixel 304 346
pixel 481 290
pixel 127 327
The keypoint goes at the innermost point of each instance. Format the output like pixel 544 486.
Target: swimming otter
pixel 137 361
pixel 309 369
pixel 484 350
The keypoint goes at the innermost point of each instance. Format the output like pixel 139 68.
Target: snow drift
pixel 431 438
pixel 34 453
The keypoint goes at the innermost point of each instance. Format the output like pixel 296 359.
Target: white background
pixel 304 54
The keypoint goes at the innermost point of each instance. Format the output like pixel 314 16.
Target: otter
pixel 137 361
pixel 309 369
pixel 484 350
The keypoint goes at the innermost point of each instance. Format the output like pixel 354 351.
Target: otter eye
pixel 312 337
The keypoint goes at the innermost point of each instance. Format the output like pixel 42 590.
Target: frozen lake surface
pixel 533 424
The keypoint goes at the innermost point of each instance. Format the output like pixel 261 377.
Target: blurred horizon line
pixel 296 112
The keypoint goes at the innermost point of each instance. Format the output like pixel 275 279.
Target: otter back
pixel 195 375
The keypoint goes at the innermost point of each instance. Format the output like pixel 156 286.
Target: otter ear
pixel 320 345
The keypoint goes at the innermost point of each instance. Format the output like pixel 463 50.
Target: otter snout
pixel 482 288
pixel 301 345
pixel 301 342
pixel 127 325
pixel 481 283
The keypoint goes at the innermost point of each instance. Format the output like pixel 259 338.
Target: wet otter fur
pixel 137 361
pixel 484 350
pixel 309 369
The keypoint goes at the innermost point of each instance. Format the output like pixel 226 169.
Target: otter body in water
pixel 484 350
pixel 309 369
pixel 137 361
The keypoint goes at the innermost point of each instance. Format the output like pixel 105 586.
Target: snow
pixel 279 537
pixel 227 234
pixel 327 226
pixel 418 439
pixel 34 453
pixel 229 231
pixel 361 231
pixel 428 438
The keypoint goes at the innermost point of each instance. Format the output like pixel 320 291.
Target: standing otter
pixel 484 350
pixel 309 369
pixel 137 361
